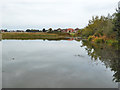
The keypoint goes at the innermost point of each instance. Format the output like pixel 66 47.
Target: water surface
pixel 52 64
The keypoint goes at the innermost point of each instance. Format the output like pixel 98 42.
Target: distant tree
pixel 28 30
pixel 43 30
pixel 117 25
pixel 50 29
pixel 59 29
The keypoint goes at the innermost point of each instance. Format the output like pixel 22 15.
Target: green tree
pixel 117 25
pixel 44 30
pixel 50 29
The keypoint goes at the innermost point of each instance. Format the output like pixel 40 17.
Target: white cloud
pixel 22 14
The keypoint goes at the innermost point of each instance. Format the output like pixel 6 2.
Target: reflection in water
pixel 79 55
pixel 54 64
pixel 107 54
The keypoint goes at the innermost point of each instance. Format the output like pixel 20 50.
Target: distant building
pixel 63 30
pixel 32 30
pixel 19 30
pixel 2 30
pixel 77 29
pixel 59 30
pixel 12 30
pixel 70 30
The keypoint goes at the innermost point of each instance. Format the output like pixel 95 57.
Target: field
pixel 0 36
pixel 32 35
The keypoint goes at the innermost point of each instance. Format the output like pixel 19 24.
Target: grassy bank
pixel 29 35
pixel 0 36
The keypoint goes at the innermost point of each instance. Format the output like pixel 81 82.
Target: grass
pixel 72 34
pixel 0 36
pixel 30 35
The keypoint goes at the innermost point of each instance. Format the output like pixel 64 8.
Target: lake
pixel 56 64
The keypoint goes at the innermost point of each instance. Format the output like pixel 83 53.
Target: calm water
pixel 53 64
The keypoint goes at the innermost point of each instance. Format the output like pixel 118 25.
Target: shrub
pixel 96 34
pixel 99 40
pixel 115 43
pixel 90 38
pixel 112 42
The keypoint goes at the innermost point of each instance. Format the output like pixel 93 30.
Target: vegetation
pixel 0 36
pixel 102 29
pixel 31 35
pixel 106 54
pixel 43 30
pixel 102 34
pixel 99 30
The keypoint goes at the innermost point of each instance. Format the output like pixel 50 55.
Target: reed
pixel 30 35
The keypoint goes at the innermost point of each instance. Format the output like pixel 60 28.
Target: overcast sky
pixel 38 14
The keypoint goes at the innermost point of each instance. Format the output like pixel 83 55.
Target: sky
pixel 38 14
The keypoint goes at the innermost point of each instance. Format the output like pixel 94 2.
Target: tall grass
pixel 26 35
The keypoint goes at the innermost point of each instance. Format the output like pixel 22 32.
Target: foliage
pixel 112 42
pixel 117 25
pixel 44 30
pixel 50 30
pixel 99 40
pixel 90 38
pixel 106 54
pixel 109 27
pixel 72 34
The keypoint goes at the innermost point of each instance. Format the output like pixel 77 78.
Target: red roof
pixel 70 29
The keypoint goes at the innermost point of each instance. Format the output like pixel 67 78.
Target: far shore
pixel 38 35
pixel 33 35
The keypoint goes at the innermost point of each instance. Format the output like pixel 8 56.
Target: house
pixel 64 30
pixel 19 30
pixel 59 30
pixel 32 30
pixel 3 30
pixel 70 30
pixel 76 30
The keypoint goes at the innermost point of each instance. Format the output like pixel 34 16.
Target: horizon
pixel 37 29
pixel 39 14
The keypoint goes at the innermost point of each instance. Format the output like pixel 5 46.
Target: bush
pixel 112 42
pixel 115 43
pixel 99 40
pixel 90 38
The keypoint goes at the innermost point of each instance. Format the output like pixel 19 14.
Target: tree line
pixel 102 28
